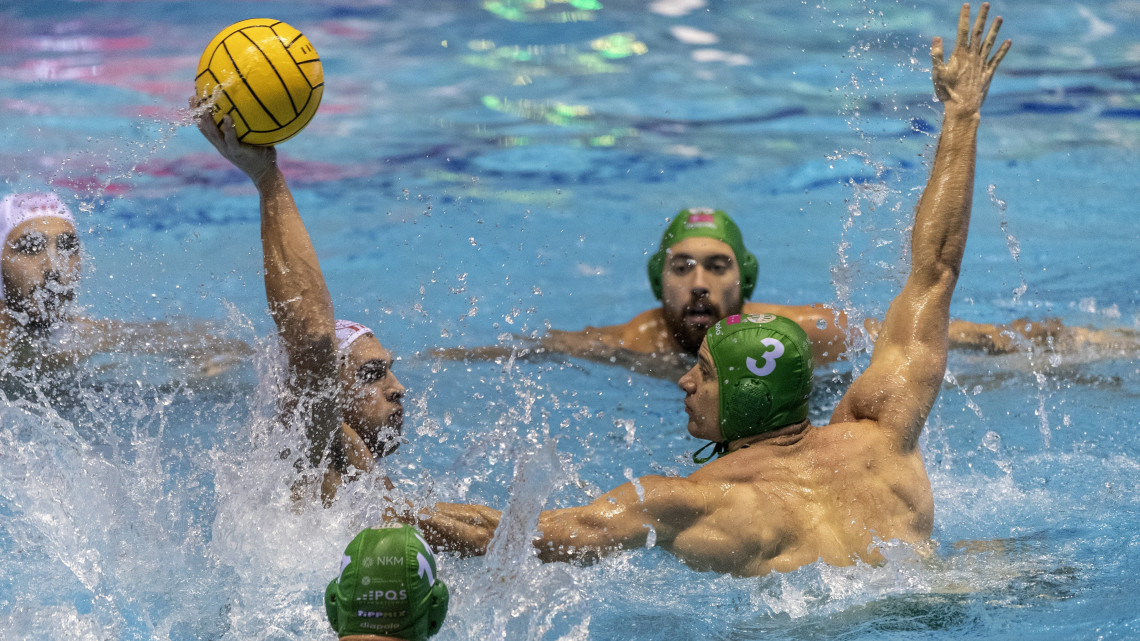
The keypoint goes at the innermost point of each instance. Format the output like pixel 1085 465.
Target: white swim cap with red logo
pixel 16 209
pixel 347 332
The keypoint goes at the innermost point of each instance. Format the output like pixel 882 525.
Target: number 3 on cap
pixel 769 358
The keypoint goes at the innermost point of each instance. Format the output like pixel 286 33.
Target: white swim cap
pixel 347 332
pixel 17 208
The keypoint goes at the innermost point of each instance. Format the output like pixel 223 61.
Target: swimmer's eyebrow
pixel 683 256
pixel 705 364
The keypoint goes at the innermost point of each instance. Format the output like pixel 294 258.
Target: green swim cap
pixel 387 586
pixel 702 222
pixel 763 364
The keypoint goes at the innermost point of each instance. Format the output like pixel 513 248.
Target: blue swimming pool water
pixel 480 169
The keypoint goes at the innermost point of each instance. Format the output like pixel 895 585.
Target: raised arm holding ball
pixel 340 387
pixel 265 76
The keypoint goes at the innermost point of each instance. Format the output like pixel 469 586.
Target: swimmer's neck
pixel 786 435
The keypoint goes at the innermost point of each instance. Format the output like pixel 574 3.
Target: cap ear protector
pixel 331 609
pixel 751 403
pixel 438 599
pixel 702 222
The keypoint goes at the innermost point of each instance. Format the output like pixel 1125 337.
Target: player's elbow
pixel 936 276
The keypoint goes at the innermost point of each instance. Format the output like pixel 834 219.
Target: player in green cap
pixel 703 272
pixel 387 588
pixel 785 493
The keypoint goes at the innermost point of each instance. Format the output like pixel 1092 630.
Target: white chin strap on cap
pixel 347 332
pixel 18 208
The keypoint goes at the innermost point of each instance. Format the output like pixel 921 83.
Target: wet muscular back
pixel 826 493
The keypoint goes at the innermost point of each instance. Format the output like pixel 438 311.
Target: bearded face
pixel 40 268
pixel 700 285
pixel 371 397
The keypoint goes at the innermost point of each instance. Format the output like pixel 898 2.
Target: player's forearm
pixel 943 215
pixel 585 548
pixel 623 518
pixel 298 298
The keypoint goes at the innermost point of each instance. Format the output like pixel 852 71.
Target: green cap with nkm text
pixel 702 222
pixel 764 368
pixel 387 586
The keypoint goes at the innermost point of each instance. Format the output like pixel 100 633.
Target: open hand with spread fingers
pixel 961 82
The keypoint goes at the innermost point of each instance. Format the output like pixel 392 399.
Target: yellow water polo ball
pixel 266 75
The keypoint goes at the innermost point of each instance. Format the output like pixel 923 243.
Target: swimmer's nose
pixel 700 281
pixel 55 277
pixel 686 382
pixel 395 391
pixel 58 262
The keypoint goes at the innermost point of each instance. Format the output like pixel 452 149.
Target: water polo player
pixel 40 263
pixel 784 493
pixel 703 272
pixel 340 387
pixel 388 588
pixel 40 258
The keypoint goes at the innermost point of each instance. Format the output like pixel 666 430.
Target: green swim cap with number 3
pixel 764 369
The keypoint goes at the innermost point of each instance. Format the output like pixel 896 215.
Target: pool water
pixel 481 170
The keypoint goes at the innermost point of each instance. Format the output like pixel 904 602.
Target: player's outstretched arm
pixel 900 385
pixel 620 519
pixel 298 298
pixel 618 345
